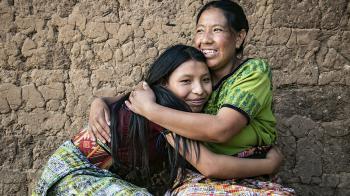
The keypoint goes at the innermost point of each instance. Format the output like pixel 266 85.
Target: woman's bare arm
pixel 226 167
pixel 99 117
pixel 204 127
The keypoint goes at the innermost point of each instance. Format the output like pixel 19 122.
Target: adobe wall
pixel 55 56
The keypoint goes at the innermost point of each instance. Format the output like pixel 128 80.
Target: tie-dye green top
pixel 248 90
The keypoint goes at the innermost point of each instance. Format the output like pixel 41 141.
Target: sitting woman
pixel 139 154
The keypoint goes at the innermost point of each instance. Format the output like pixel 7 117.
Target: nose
pixel 207 37
pixel 197 88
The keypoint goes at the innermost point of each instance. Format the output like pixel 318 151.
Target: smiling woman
pixel 137 151
pixel 191 82
pixel 220 36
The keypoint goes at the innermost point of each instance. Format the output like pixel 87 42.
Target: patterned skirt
pixel 68 172
pixel 197 184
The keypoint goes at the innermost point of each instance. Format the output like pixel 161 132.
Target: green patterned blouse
pixel 248 90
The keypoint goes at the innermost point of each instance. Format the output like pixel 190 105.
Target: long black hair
pixel 139 129
pixel 234 14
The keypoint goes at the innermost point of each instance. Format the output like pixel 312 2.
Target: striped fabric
pixel 96 152
pixel 69 172
pixel 197 184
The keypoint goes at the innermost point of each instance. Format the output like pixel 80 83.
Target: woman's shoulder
pixel 257 65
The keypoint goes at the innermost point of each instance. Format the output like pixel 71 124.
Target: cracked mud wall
pixel 55 56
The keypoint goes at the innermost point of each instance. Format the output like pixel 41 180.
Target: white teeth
pixel 208 51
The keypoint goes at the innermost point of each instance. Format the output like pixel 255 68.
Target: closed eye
pixel 206 80
pixel 218 30
pixel 185 81
pixel 199 30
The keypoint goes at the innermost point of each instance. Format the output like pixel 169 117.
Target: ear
pixel 240 37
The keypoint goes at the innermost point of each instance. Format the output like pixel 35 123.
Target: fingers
pixel 128 104
pixel 131 97
pixel 108 123
pixel 145 85
pixel 99 120
pixel 96 133
pixel 101 130
pixel 139 86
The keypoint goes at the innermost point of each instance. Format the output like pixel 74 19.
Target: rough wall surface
pixel 56 55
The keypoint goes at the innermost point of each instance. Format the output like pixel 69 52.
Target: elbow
pixel 210 169
pixel 219 137
pixel 209 172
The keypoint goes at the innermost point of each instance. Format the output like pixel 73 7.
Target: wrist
pixel 96 101
pixel 150 109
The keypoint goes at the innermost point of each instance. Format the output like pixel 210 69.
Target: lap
pixel 87 184
pixel 197 184
pixel 68 172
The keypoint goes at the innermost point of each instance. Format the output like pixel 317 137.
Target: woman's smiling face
pixel 215 39
pixel 191 82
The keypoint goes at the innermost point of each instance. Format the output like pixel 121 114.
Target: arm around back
pixel 227 167
pixel 99 117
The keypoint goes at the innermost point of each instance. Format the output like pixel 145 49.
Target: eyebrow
pixel 215 25
pixel 188 75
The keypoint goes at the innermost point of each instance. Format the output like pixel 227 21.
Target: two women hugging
pixel 158 141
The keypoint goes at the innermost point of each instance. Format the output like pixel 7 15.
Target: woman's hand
pixel 141 100
pixel 99 120
pixel 275 156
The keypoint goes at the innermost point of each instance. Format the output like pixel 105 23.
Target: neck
pixel 217 75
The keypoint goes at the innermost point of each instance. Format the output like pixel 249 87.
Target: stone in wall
pixel 105 91
pixel 32 97
pixel 33 121
pixel 96 31
pixel 28 47
pixel 14 96
pixel 41 77
pixel 52 91
pixel 8 155
pixel 67 34
pixel 319 104
pixel 106 53
pixel 12 182
pixel 125 31
pixel 77 19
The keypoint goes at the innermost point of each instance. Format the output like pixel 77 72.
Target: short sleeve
pixel 249 90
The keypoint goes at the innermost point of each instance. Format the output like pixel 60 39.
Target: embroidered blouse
pixel 248 90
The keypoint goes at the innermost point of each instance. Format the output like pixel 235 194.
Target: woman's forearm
pixel 223 166
pixel 203 127
pixel 226 167
pixel 219 128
